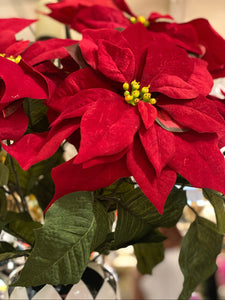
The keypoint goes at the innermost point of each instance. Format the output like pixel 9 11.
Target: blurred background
pixel 181 10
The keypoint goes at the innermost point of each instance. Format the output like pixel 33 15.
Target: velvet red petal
pixel 122 5
pixel 199 114
pixel 107 128
pixel 13 126
pixel 115 62
pixel 21 81
pixel 170 71
pixel 159 146
pixel 17 48
pixel 46 50
pixel 167 122
pixel 104 159
pixel 32 148
pixel 98 16
pixel 199 160
pixel 7 39
pixel 78 104
pixel 70 177
pixel 90 41
pixel 213 43
pixel 148 113
pixel 184 35
pixel 65 10
pixel 156 188
pixel 15 24
pixel 155 16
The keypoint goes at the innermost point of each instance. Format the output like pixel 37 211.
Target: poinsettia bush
pixel 133 97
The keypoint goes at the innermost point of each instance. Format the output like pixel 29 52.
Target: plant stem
pixel 18 187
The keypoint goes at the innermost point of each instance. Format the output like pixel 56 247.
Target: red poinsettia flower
pixel 199 37
pixel 9 27
pixel 97 14
pixel 65 10
pixel 150 58
pixel 24 73
pixel 161 127
pixel 196 36
pixel 17 80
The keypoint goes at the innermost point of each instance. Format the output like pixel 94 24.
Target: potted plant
pixel 133 98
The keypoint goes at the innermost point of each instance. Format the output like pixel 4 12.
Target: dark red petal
pixel 105 159
pixel 170 71
pixel 32 148
pixel 17 48
pixel 78 104
pixel 156 188
pixel 199 114
pixel 158 145
pixel 46 50
pixel 70 177
pixel 184 35
pixel 148 113
pixel 199 160
pixel 13 126
pixel 165 121
pixel 155 16
pixel 201 79
pixel 107 127
pixel 90 41
pixel 82 79
pixel 65 10
pixel 115 62
pixel 98 16
pixel 213 43
pixel 122 5
pixel 21 81
pixel 15 24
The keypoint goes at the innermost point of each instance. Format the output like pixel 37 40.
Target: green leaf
pixel 137 204
pixel 36 112
pixel 217 201
pixel 21 226
pixel 37 180
pixel 4 174
pixel 22 175
pixel 129 229
pixel 7 251
pixel 3 203
pixel 148 256
pixel 62 246
pixel 199 250
pixel 104 221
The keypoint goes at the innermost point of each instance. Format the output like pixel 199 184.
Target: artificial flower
pixel 196 36
pixel 26 71
pixel 142 136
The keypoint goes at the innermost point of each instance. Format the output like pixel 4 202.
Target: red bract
pixel 26 71
pixel 65 10
pixel 196 36
pixel 199 37
pixel 163 131
pixel 150 58
pixel 9 27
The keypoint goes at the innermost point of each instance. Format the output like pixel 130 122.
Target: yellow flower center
pixel 140 19
pixel 133 94
pixel 16 59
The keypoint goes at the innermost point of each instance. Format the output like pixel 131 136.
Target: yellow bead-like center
pixel 16 59
pixel 133 94
pixel 140 19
